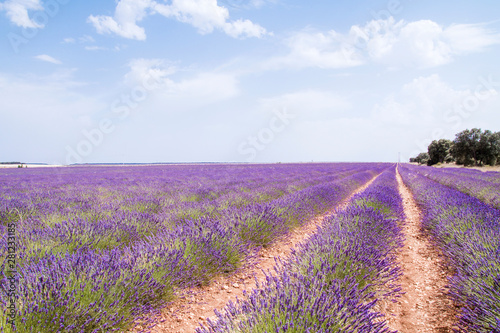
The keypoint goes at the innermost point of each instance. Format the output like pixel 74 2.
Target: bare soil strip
pixel 185 314
pixel 425 306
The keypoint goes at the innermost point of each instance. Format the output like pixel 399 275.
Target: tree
pixel 470 147
pixel 449 158
pixel 497 140
pixel 466 147
pixel 422 158
pixel 489 147
pixel 439 151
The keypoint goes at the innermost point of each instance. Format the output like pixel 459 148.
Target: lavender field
pixel 468 232
pixel 97 249
pixel 332 283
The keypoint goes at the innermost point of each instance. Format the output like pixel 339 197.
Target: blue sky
pixel 243 81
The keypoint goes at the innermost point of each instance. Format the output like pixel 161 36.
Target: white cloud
pixel 308 127
pixel 141 69
pixel 341 139
pixel 47 58
pixel 428 108
pixel 331 127
pixel 86 39
pixel 95 48
pixel 124 22
pixel 420 44
pixel 316 49
pixel 309 104
pixel 17 11
pixel 204 88
pixel 245 4
pixel 423 101
pixel 424 43
pixel 243 28
pixel 470 37
pixel 83 40
pixel 44 114
pixel 204 15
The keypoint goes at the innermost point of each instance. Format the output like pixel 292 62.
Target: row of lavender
pixel 175 192
pixel 491 176
pixel 482 185
pixel 468 232
pixel 334 280
pixel 103 262
pixel 60 211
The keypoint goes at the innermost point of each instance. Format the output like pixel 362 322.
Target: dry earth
pixel 482 168
pixel 424 306
pixel 193 308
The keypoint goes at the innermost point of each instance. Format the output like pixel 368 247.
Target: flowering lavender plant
pixel 333 281
pixel 100 247
pixel 485 187
pixel 468 232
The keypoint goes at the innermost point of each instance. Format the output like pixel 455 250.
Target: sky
pixel 143 81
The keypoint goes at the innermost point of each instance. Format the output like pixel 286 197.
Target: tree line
pixel 470 147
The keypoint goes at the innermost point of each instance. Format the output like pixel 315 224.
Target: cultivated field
pixel 151 248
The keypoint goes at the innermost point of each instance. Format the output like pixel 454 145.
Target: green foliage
pixel 9 216
pixel 378 206
pixel 205 266
pixel 421 158
pixel 475 147
pixel 470 147
pixel 189 214
pixel 438 151
pixel 489 147
pixel 191 198
pixel 147 207
pixel 255 229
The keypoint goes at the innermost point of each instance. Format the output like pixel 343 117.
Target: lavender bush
pixel 100 247
pixel 468 232
pixel 333 281
pixel 485 187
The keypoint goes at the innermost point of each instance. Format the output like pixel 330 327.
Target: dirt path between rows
pixel 185 314
pixel 425 306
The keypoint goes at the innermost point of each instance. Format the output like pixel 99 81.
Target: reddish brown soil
pixel 193 308
pixel 425 306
